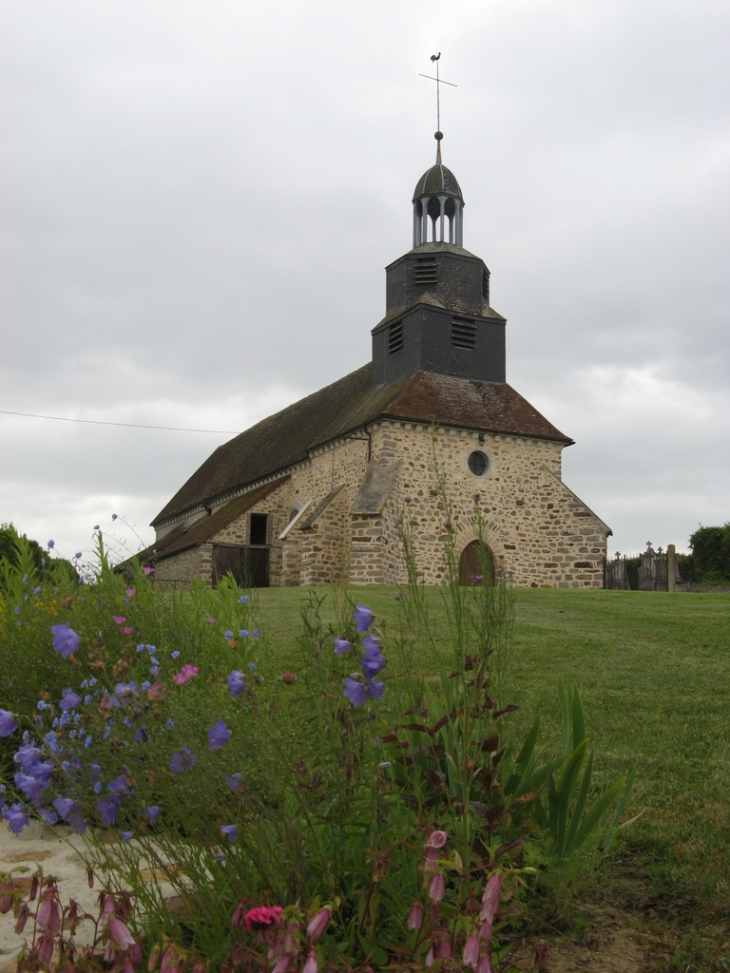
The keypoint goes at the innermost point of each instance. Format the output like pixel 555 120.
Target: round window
pixel 478 463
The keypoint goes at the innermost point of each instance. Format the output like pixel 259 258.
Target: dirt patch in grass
pixel 624 928
pixel 612 941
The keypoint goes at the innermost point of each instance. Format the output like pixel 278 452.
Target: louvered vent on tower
pixel 485 284
pixel 395 337
pixel 425 271
pixel 463 333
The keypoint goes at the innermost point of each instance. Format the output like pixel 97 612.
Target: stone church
pixel 322 491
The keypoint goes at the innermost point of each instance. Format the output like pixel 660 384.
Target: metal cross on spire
pixel 438 134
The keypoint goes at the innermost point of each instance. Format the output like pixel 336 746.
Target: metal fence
pixel 654 570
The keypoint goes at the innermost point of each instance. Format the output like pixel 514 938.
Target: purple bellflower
pixel 30 787
pixel 234 782
pixel 64 806
pixel 42 773
pixel 218 735
pixel 355 691
pixel 69 700
pixel 65 640
pixel 376 688
pixel 363 618
pixel 230 831
pixel 27 756
pixel 152 813
pixel 182 760
pixel 16 816
pixel 7 724
pixel 120 785
pixel 236 683
pixel 372 662
pixel 341 646
pixel 108 810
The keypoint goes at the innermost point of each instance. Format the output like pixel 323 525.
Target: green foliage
pixel 568 818
pixel 686 566
pixel 20 553
pixel 711 554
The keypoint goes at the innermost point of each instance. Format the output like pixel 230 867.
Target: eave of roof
pixel 272 445
pixel 280 442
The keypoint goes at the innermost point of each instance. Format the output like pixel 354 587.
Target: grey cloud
pixel 198 201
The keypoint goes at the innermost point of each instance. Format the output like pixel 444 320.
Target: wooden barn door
pixel 248 565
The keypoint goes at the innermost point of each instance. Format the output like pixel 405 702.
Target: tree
pixel 711 554
pixel 44 565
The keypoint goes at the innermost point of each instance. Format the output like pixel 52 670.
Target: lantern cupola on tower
pixel 438 206
pixel 438 316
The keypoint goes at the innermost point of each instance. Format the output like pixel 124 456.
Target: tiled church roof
pixel 284 439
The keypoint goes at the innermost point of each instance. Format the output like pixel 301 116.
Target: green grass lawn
pixel 654 675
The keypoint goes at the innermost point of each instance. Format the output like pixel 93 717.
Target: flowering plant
pixel 365 804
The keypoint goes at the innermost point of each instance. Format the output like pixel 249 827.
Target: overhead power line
pixel 127 425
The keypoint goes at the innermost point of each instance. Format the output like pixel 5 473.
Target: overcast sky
pixel 197 201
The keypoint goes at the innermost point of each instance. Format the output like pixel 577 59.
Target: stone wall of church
pixel 345 466
pixel 325 547
pixel 540 531
pixel 176 572
pixel 366 550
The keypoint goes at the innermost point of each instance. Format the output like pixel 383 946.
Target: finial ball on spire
pixel 438 136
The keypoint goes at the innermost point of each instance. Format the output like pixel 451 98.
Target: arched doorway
pixel 476 563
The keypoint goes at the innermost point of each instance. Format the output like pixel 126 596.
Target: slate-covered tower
pixel 318 493
pixel 437 314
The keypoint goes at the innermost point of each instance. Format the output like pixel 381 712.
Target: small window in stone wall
pixel 478 462
pixel 463 333
pixel 258 533
pixel 395 337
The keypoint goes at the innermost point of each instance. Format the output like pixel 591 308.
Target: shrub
pixel 711 554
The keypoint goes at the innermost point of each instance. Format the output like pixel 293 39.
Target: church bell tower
pixel 437 314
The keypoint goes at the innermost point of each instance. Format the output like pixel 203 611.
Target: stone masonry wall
pixel 342 465
pixel 325 546
pixel 542 533
pixel 366 552
pixel 538 530
pixel 177 572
